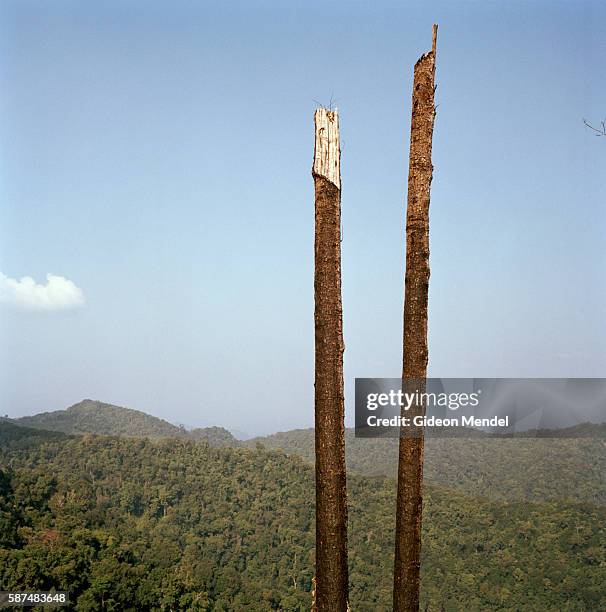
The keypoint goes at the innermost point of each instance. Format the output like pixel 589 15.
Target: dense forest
pixel 500 468
pixel 179 524
pixel 531 468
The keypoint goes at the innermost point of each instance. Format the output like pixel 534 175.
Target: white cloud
pixel 58 293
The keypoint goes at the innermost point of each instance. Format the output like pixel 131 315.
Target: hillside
pixel 146 524
pixel 90 416
pixel 522 468
pixel 216 436
pixel 535 469
pixel 16 436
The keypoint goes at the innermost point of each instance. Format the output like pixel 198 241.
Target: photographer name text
pixel 431 421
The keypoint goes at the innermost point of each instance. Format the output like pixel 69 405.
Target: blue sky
pixel 157 155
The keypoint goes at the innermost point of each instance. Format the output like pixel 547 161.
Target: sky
pixel 156 200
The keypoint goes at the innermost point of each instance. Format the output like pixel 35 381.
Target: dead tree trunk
pixel 410 462
pixel 331 503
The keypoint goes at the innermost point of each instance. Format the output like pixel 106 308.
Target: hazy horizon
pixel 155 187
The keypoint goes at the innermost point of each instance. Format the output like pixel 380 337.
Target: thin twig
pixel 599 131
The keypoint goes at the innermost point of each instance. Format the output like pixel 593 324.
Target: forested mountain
pixel 16 436
pixel 537 469
pixel 216 436
pixel 139 524
pixel 531 468
pixel 90 416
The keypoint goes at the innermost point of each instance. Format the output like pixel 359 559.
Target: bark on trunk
pixel 331 503
pixel 410 462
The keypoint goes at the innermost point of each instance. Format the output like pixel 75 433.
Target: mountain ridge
pixel 97 417
pixel 498 468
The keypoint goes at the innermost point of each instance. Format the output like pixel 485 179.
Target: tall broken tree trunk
pixel 410 462
pixel 331 503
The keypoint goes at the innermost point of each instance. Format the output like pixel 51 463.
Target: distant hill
pixel 498 468
pixel 215 436
pixel 91 416
pixel 16 436
pixel 537 469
